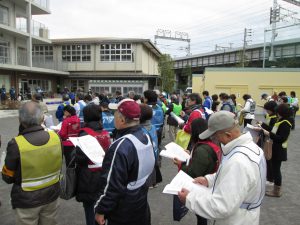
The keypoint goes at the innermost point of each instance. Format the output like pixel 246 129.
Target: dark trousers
pixel 247 121
pixel 201 220
pixel 270 176
pixel 276 165
pixel 293 112
pixel 68 154
pixel 89 213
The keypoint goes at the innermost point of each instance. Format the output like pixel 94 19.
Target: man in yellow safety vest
pixel 33 164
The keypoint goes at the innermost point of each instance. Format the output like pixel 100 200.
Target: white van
pixel 189 90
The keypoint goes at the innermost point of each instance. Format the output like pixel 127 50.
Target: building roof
pixel 95 40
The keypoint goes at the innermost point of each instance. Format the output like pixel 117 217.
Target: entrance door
pixel 24 87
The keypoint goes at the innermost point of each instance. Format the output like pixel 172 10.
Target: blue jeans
pixel 89 213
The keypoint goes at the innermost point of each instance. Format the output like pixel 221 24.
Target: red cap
pixel 128 107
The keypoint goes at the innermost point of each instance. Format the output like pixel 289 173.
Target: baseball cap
pixel 128 107
pixel 219 121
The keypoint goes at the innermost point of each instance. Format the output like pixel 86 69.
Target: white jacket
pixel 237 181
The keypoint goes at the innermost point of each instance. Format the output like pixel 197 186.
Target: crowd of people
pixel 229 162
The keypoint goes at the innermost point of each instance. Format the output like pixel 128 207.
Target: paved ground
pixel 275 211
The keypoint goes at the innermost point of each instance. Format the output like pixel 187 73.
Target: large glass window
pixel 76 53
pixel 116 52
pixel 43 52
pixel 4 52
pixel 76 84
pixel 4 15
pixel 45 85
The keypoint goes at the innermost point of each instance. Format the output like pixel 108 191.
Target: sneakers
pixel 269 184
pixel 153 186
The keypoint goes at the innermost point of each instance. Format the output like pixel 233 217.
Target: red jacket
pixel 70 128
pixel 197 113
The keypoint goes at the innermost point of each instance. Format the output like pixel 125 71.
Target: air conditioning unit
pixel 44 33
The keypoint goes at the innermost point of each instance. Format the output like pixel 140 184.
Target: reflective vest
pixel 259 160
pixel 81 106
pixel 268 118
pixel 158 117
pixel 252 106
pixel 40 165
pixel 164 107
pixel 153 135
pixel 108 121
pixel 146 161
pixel 275 128
pixel 177 109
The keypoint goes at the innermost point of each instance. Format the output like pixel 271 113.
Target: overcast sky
pixel 208 22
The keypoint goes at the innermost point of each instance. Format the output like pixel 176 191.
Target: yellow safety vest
pixel 40 165
pixel 268 119
pixel 275 128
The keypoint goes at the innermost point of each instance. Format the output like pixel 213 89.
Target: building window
pixel 4 15
pixel 45 85
pixel 42 52
pixel 4 52
pixel 76 53
pixel 116 52
pixel 76 84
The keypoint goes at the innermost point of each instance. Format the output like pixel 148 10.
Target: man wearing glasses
pixel 236 190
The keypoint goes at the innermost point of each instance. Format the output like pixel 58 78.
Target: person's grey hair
pixel 30 114
pixel 131 94
pixel 128 121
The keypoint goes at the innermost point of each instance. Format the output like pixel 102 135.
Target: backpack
pixel 216 149
pixel 102 137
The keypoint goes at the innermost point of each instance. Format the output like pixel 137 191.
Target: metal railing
pixel 21 24
pixel 42 3
pixel 39 30
pixel 43 62
pixel 22 57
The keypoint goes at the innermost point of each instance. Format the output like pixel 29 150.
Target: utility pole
pixel 274 17
pixel 247 33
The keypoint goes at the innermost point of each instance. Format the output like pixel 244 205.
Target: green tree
pixel 166 71
pixel 187 75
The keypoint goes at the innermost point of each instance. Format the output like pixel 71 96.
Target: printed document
pixel 181 180
pixel 254 133
pixel 177 118
pixel 90 147
pixel 173 150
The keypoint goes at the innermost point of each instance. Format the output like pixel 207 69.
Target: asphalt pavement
pixel 274 211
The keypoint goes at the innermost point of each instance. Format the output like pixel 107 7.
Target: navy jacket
pixel 120 167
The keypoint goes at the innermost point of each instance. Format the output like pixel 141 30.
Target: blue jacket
pixel 60 111
pixel 120 167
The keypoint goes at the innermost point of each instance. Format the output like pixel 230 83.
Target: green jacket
pixel 202 162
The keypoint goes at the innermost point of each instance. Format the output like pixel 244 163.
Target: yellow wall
pixel 253 81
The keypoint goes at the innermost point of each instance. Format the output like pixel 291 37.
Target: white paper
pixel 173 150
pixel 57 127
pixel 177 118
pixel 2 159
pixel 254 133
pixel 90 147
pixel 208 111
pixel 182 180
